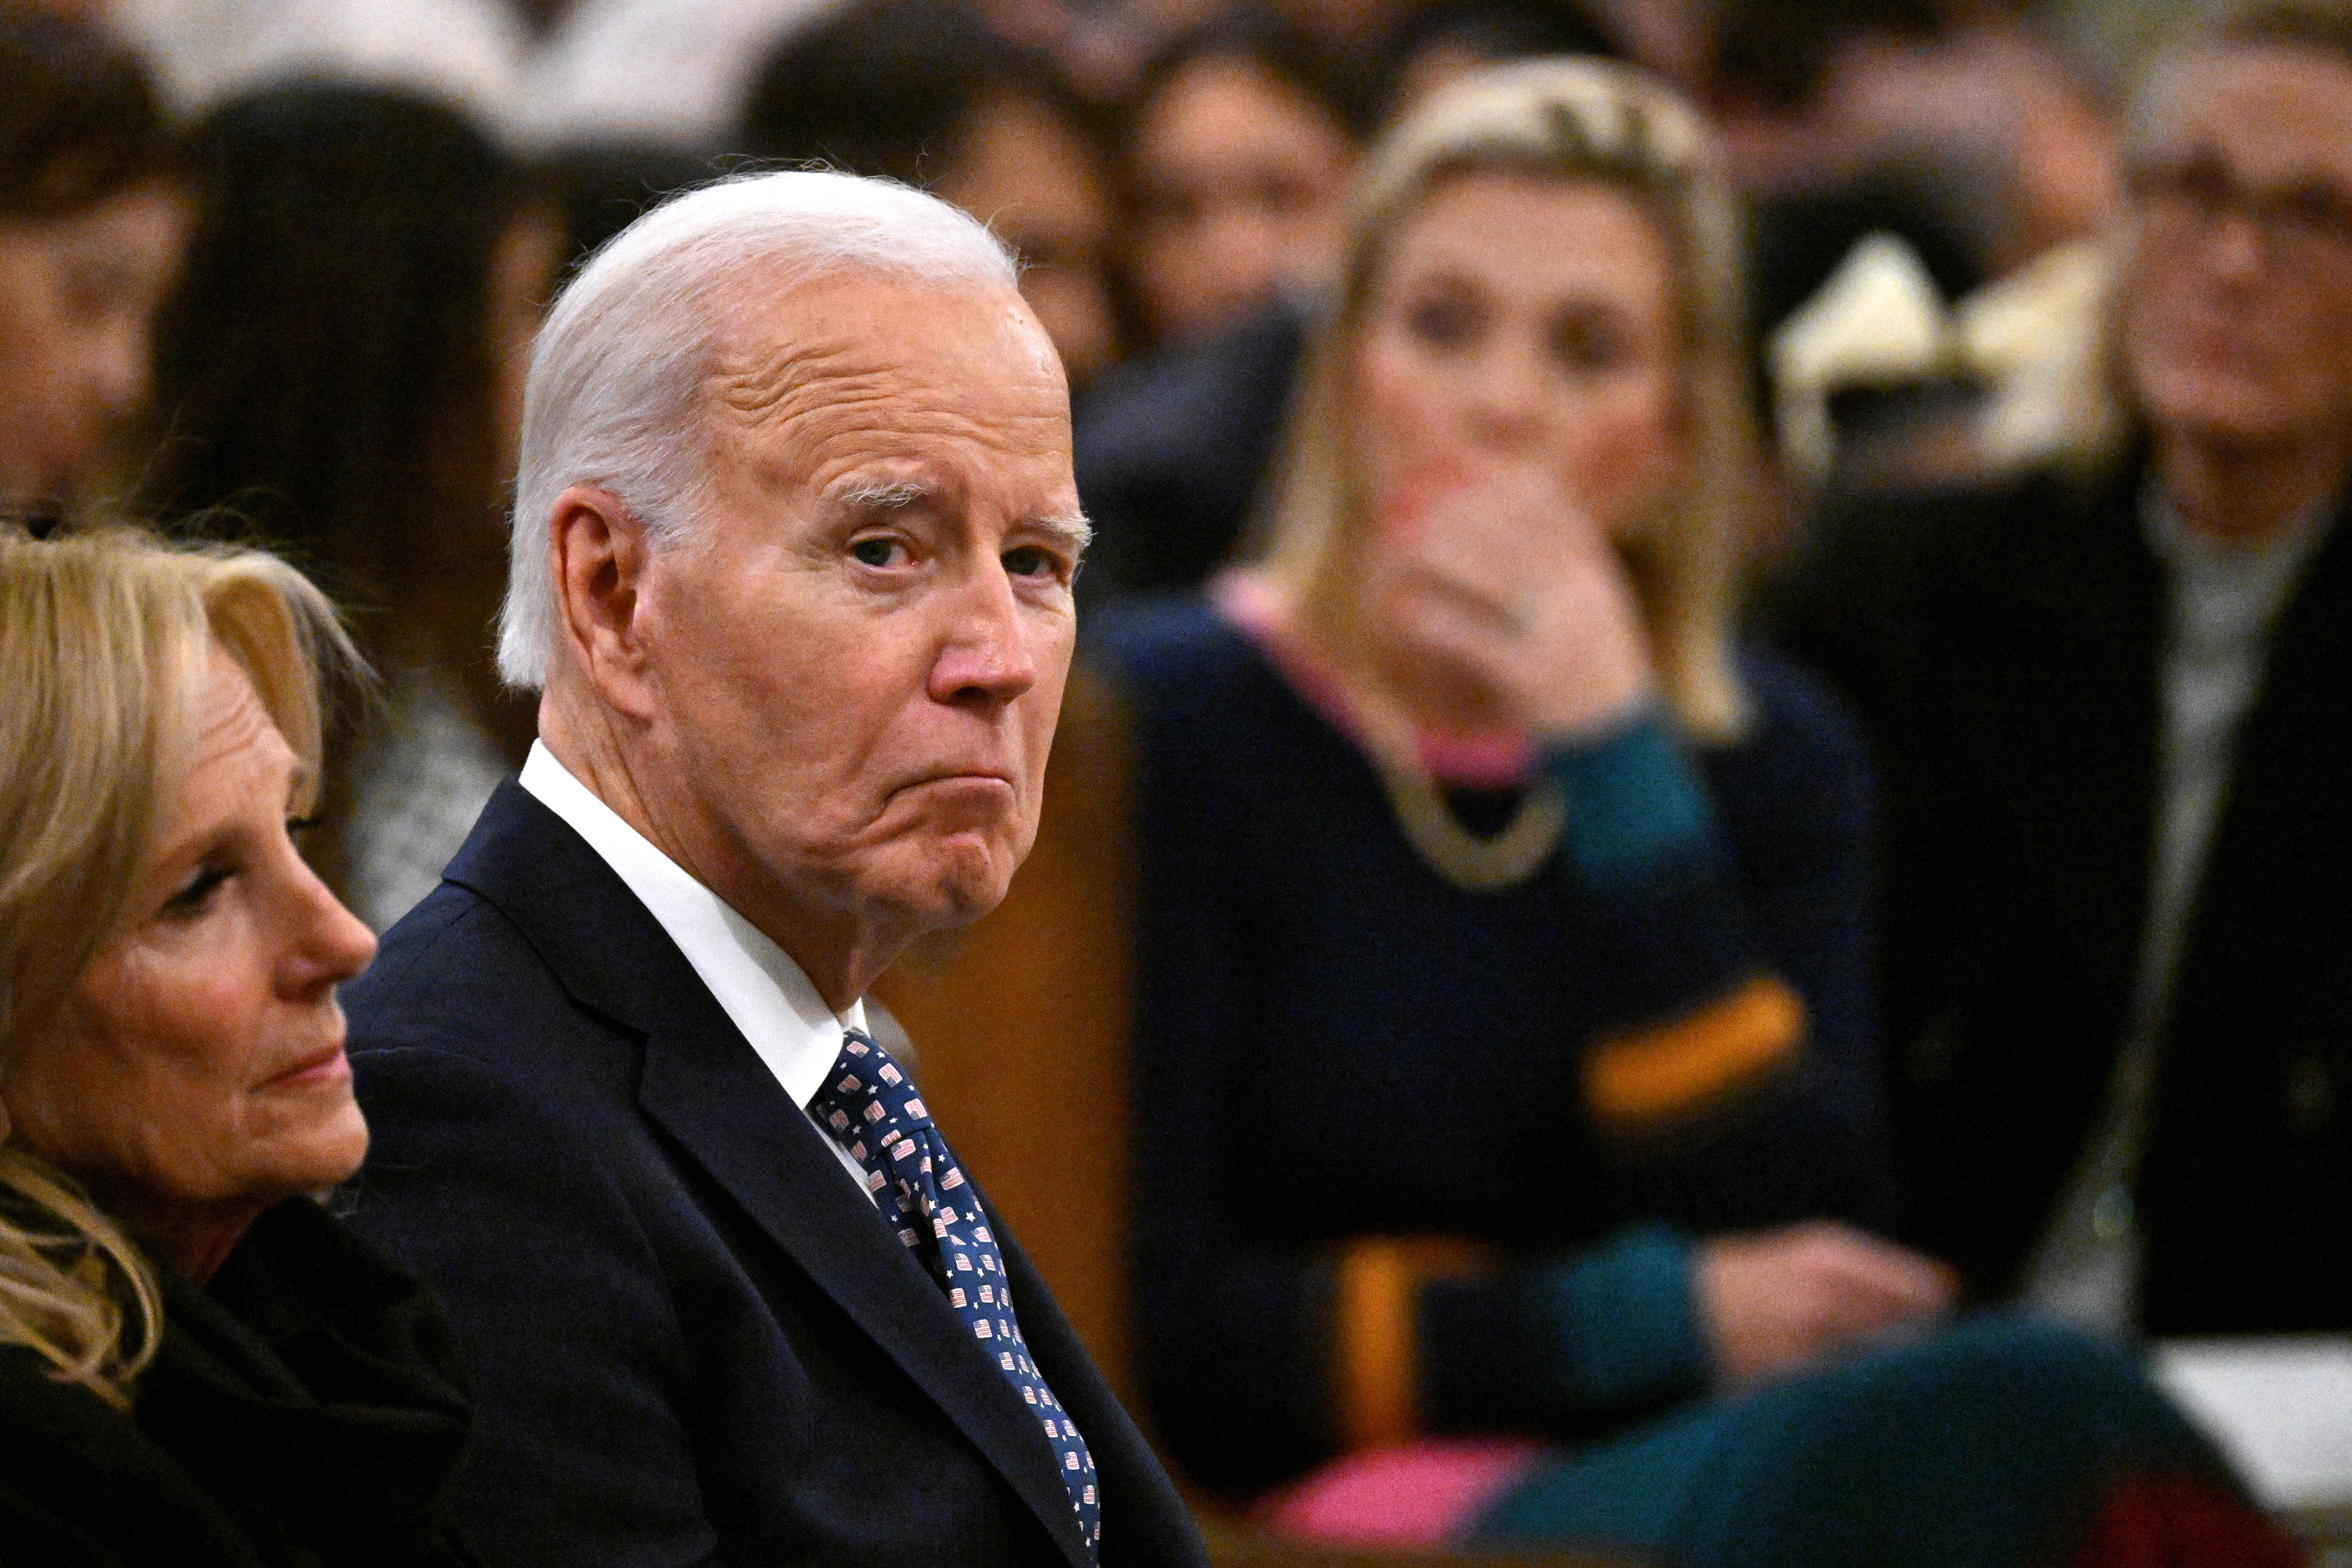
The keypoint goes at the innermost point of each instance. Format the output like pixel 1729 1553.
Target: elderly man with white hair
pixel 791 560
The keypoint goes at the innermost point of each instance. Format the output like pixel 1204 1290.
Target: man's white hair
pixel 613 398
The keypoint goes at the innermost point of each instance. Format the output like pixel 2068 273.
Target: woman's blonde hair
pixel 1568 119
pixel 105 636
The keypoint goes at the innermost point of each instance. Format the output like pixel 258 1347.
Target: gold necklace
pixel 1473 863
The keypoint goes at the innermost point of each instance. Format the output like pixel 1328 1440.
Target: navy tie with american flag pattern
pixel 870 1107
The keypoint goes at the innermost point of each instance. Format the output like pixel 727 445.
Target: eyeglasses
pixel 2302 225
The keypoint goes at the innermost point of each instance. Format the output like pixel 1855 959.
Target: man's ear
pixel 598 555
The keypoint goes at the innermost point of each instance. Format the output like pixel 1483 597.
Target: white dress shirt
pixel 764 994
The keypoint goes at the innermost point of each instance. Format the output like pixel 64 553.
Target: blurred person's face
pixel 77 301
pixel 2236 290
pixel 1029 175
pixel 844 681
pixel 1517 320
pixel 195 1074
pixel 522 279
pixel 1341 21
pixel 1242 183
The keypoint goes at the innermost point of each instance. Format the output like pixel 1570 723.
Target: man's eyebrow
pixel 1072 529
pixel 893 495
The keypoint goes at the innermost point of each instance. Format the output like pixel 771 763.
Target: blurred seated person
pixel 1173 447
pixel 1503 1058
pixel 921 91
pixel 1241 137
pixel 91 224
pixel 2110 721
pixel 197 1364
pixel 341 365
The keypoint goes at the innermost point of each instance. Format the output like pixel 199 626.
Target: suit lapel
pixel 2071 658
pixel 711 1094
pixel 706 1088
pixel 2281 844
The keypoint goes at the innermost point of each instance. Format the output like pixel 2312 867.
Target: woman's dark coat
pixel 304 1411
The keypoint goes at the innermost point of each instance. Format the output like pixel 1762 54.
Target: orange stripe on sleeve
pixel 1687 1066
pixel 1376 1301
pixel 1379 1366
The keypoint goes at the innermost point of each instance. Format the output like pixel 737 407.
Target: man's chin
pixel 952 882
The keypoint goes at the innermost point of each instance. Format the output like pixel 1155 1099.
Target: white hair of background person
pixel 613 398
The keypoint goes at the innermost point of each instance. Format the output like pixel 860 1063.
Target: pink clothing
pixel 1417 1494
pixel 1475 759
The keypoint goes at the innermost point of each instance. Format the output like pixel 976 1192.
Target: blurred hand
pixel 1776 1300
pixel 1494 586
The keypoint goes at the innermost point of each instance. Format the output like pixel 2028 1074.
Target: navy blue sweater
pixel 1333 1041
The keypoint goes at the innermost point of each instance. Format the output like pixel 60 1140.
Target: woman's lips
pixel 320 1067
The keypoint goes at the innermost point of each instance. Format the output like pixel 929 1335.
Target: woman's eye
pixel 877 552
pixel 1444 323
pixel 1589 341
pixel 196 892
pixel 1283 195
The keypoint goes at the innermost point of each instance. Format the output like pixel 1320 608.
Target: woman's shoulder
pixel 83 1484
pixel 1186 672
pixel 1802 751
pixel 33 1400
pixel 1794 709
pixel 1171 641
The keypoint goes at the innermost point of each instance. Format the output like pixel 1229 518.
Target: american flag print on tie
pixel 869 1106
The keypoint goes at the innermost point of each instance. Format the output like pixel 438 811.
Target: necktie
pixel 869 1106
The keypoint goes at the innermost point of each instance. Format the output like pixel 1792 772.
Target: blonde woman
pixel 197 1364
pixel 1502 1039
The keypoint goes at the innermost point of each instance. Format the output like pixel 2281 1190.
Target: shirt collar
pixel 766 995
pixel 2247 582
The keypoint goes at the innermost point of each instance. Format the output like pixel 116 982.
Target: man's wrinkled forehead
pixel 784 350
pixel 2278 112
pixel 857 381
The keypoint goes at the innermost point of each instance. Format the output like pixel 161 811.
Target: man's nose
pixel 2236 246
pixel 984 657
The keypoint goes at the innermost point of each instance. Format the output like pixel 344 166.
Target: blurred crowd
pixel 1981 544
pixel 339 220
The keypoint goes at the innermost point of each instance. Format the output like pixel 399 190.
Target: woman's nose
pixel 1507 402
pixel 329 945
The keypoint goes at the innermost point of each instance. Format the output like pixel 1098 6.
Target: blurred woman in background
pixel 922 91
pixel 1504 1053
pixel 90 224
pixel 197 1365
pixel 1242 135
pixel 1240 141
pixel 342 365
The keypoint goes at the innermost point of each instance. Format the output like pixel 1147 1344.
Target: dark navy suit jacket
pixel 693 1339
